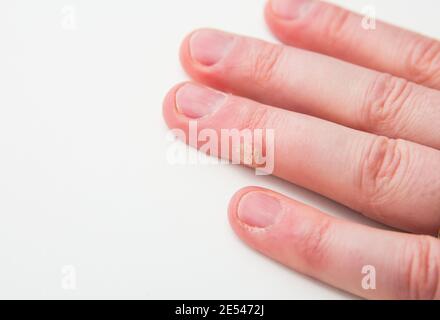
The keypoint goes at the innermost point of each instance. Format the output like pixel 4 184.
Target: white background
pixel 84 181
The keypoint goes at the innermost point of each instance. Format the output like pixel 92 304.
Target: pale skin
pixel 356 115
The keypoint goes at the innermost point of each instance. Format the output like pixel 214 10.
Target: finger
pixel 393 181
pixel 314 84
pixel 367 262
pixel 326 28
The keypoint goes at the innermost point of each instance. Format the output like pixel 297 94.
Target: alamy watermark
pixel 369 18
pixel 69 18
pixel 68 278
pixel 369 278
pixel 254 148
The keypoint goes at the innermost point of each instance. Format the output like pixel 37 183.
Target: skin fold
pixel 356 117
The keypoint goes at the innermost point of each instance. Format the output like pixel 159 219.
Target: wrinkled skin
pixel 356 117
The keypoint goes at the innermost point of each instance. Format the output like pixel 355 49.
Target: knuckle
pixel 313 244
pixel 384 102
pixel 383 164
pixel 419 277
pixel 423 61
pixel 257 118
pixel 266 63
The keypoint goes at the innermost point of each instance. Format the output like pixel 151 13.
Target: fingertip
pixel 169 110
pixel 194 54
pixel 271 18
pixel 206 55
pixel 235 201
pixel 256 209
pixel 246 233
pixel 191 105
pixel 276 27
pixel 289 31
pixel 185 52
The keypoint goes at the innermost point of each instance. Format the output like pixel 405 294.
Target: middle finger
pixel 314 84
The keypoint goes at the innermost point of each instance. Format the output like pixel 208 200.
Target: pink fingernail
pixel 195 101
pixel 259 210
pixel 291 9
pixel 208 47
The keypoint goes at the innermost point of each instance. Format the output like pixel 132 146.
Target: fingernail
pixel 291 9
pixel 196 101
pixel 208 47
pixel 259 210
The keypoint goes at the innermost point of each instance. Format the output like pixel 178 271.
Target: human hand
pixel 356 118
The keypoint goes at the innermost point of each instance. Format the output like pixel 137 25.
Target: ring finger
pixel 394 181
